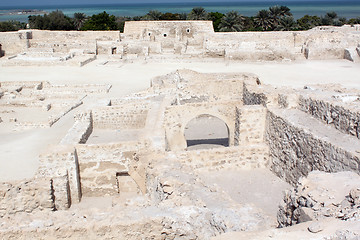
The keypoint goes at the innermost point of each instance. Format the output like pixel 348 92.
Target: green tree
pixel 120 22
pixel 171 16
pixel 79 19
pixel 56 20
pixel 263 20
pixel 8 26
pixel 353 21
pixel 137 18
pixel 153 15
pixel 231 22
pixel 329 18
pixel 287 24
pixel 101 21
pixel 307 22
pixel 216 17
pixel 277 13
pixel 197 13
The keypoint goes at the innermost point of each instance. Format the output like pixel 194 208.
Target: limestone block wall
pixel 251 45
pixel 241 157
pixel 66 41
pixel 80 131
pixel 295 151
pixel 120 117
pixel 100 165
pixel 62 166
pixel 329 43
pixel 339 115
pixel 253 95
pixel 177 117
pixel 13 42
pixel 216 90
pixel 163 30
pixel 26 196
pixel 252 123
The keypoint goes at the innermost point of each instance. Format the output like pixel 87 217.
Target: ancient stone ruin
pixel 194 156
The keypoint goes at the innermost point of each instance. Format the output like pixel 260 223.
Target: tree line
pixel 276 18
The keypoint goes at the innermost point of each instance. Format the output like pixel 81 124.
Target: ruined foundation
pixel 194 156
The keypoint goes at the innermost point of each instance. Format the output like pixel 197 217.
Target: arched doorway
pixel 206 131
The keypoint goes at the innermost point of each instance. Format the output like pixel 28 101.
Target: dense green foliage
pixel 276 18
pixel 101 21
pixel 11 26
pixel 54 21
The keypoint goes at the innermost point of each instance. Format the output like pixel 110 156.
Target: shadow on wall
pixel 217 141
pixel 206 130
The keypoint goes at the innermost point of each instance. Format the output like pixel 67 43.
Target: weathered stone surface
pixel 321 195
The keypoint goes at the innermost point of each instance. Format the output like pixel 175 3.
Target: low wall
pixel 295 151
pixel 251 124
pixel 252 96
pixel 13 42
pixel 343 119
pixel 62 166
pixel 80 131
pixel 100 165
pixel 240 157
pixel 26 196
pixel 119 117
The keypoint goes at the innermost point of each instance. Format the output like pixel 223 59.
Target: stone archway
pixel 206 131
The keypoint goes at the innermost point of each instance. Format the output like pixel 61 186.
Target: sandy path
pixel 131 77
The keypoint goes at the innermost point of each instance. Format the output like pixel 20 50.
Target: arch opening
pixel 206 131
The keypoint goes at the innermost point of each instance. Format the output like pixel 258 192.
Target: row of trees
pixel 276 18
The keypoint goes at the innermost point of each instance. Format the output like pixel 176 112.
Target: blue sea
pixel 347 8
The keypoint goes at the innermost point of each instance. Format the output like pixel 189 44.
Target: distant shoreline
pixel 348 9
pixel 23 12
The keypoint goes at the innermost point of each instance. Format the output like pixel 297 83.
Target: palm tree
pixel 277 13
pixel 329 18
pixel 231 22
pixel 79 19
pixel 286 24
pixel 285 11
pixel 197 13
pixel 153 15
pixel 263 19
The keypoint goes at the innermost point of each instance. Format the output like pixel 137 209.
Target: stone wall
pixel 252 45
pixel 26 196
pixel 195 38
pixel 177 117
pixel 80 131
pixel 14 42
pixel 336 114
pixel 253 96
pixel 120 117
pixel 61 164
pixel 296 151
pixel 237 157
pixel 100 165
pixel 330 42
pixel 252 124
pixel 157 30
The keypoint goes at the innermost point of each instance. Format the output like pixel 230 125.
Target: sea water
pixel 347 8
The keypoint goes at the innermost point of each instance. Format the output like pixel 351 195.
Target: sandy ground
pixel 130 77
pixel 257 186
pixel 19 151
